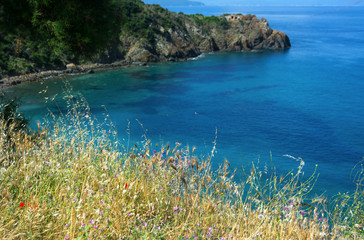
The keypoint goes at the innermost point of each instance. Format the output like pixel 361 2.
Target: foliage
pixel 83 27
pixel 209 21
pixel 79 182
pixel 47 33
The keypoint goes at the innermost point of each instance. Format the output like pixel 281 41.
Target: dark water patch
pixel 139 74
pixel 171 89
pixel 261 88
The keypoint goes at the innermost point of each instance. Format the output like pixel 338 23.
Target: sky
pixel 283 2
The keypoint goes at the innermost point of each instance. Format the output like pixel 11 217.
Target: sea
pixel 263 108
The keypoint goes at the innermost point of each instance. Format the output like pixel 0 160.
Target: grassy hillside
pixel 74 180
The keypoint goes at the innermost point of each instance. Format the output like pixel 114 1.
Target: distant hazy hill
pixel 166 3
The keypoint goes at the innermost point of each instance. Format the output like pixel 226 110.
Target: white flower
pixel 261 216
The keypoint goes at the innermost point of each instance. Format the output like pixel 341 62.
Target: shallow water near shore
pixel 305 102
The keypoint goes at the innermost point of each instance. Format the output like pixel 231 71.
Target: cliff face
pixel 191 35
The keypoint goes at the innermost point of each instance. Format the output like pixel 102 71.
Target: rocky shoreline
pixel 72 70
pixel 76 69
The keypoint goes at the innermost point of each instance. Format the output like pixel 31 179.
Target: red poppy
pixel 126 185
pixel 21 204
pixel 177 198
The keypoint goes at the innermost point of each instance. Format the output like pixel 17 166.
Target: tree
pixel 80 26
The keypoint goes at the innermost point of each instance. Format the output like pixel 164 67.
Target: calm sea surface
pixel 306 102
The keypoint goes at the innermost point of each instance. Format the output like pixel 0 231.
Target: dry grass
pixel 74 182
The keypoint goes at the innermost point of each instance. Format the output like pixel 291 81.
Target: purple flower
pixel 66 225
pixel 291 203
pixel 90 191
pixel 116 175
pixel 186 237
pixel 102 202
pixel 67 237
pixel 95 227
pixel 175 208
pixel 77 189
pixel 91 221
pixel 74 200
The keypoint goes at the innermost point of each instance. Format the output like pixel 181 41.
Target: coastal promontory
pixel 143 33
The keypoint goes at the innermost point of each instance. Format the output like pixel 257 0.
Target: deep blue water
pixel 306 102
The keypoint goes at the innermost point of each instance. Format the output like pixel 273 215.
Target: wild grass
pixel 71 179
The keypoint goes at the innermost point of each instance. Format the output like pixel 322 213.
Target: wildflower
pixel 186 237
pixel 161 188
pixel 126 185
pixel 102 202
pixel 116 175
pixel 77 189
pixel 74 200
pixel 260 216
pixel 175 208
pixel 66 225
pixel 67 237
pixel 90 191
pixel 95 226
pixel 210 230
pixel 21 204
pixel 91 221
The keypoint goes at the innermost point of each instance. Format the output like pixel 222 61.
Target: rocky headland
pixel 154 34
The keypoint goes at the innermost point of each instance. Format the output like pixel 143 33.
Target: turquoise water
pixel 306 102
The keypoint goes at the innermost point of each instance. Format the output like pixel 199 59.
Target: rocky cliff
pixel 179 37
